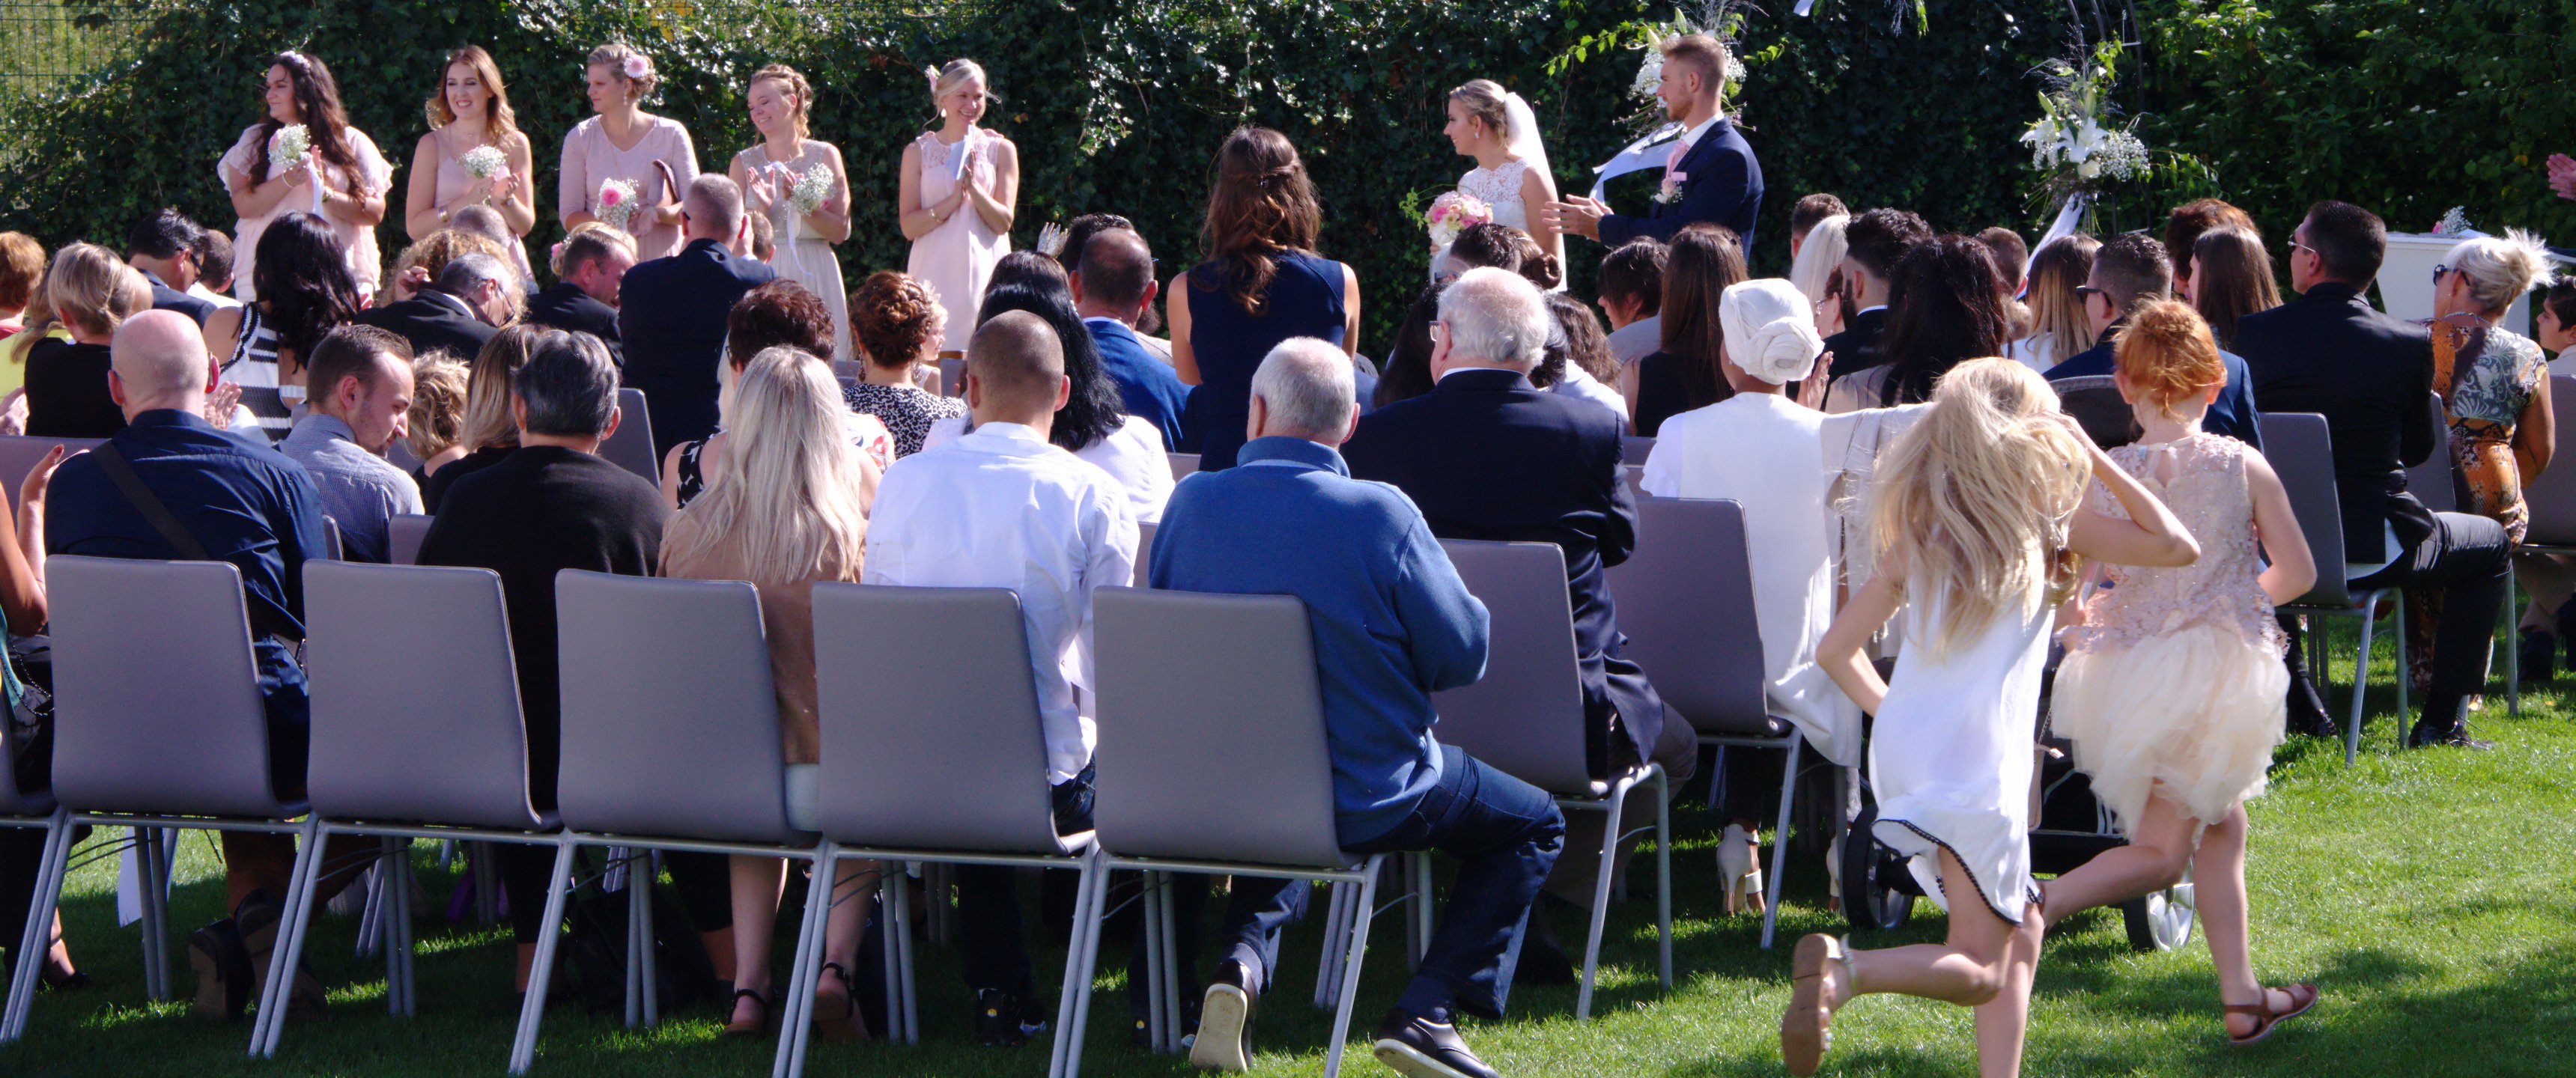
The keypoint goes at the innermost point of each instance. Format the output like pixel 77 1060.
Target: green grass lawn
pixel 2430 894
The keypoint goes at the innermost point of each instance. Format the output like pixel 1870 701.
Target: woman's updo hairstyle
pixel 947 77
pixel 1538 267
pixel 1484 101
pixel 797 87
pixel 628 63
pixel 2500 269
pixel 2167 355
pixel 896 317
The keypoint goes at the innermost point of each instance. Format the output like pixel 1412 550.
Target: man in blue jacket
pixel 1113 286
pixel 2132 269
pixel 671 313
pixel 1712 175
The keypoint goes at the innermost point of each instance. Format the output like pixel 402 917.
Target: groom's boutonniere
pixel 1671 191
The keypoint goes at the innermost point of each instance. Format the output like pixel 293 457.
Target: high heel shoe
pixel 1739 870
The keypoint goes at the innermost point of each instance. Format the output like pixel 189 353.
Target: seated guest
pixel 1766 453
pixel 490 431
pixel 671 313
pixel 1538 267
pixel 1816 272
pixel 2187 224
pixel 22 278
pixel 2059 323
pixel 305 290
pixel 1875 243
pixel 163 248
pixel 1407 373
pixel 259 511
pixel 588 265
pixel 785 508
pixel 465 303
pixel 1579 352
pixel 2128 271
pixel 2371 376
pixel 1480 245
pixel 488 223
pixel 901 327
pixel 1632 294
pixel 89 294
pixel 361 378
pixel 419 265
pixel 2232 278
pixel 2012 260
pixel 435 429
pixel 760 241
pixel 1392 624
pixel 1488 457
pixel 214 269
pixel 1949 309
pixel 1113 291
pixel 1701 262
pixel 999 507
pixel 1089 425
pixel 553 505
pixel 1806 214
pixel 22 601
pixel 1077 236
pixel 780 314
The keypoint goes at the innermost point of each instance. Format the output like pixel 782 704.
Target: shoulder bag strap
pixel 147 503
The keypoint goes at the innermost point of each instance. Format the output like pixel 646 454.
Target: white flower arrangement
pixel 288 146
pixel 616 202
pixel 2455 222
pixel 808 191
pixel 1718 20
pixel 485 162
pixel 1453 213
pixel 2079 141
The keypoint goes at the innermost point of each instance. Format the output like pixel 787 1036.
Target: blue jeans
pixel 1505 833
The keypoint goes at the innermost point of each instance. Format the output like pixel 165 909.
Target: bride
pixel 1496 127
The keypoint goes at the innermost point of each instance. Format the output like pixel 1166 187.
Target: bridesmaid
pixel 342 179
pixel 782 106
pixel 471 110
pixel 624 142
pixel 960 167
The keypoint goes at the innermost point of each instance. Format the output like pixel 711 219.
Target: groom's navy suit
pixel 1721 183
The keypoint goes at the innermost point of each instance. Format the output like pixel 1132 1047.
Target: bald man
pixel 671 314
pixel 1001 508
pixel 233 502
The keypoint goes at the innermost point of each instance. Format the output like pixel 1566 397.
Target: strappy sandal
pixel 1806 1030
pixel 836 1014
pixel 2302 997
pixel 756 1026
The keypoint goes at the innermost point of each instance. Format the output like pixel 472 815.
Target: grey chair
pixel 403 533
pixel 1212 760
pixel 631 447
pixel 185 748
pixel 670 742
pixel 1184 465
pixel 2302 452
pixel 1634 449
pixel 1686 603
pixel 331 548
pixel 1635 476
pixel 2551 500
pixel 1144 554
pixel 446 689
pixel 19 453
pixel 2094 400
pixel 2435 481
pixel 941 761
pixel 1526 718
pixel 22 807
pixel 849 370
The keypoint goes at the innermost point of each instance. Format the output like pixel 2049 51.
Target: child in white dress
pixel 1975 514
pixel 2172 688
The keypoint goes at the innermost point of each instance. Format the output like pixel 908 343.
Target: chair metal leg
pixel 1337 896
pixel 406 881
pixel 386 880
pixel 1171 967
pixel 634 940
pixel 532 1010
pixel 1073 1011
pixel 151 863
pixel 36 938
pixel 1664 871
pixel 1149 938
pixel 371 913
pixel 1779 847
pixel 284 957
pixel 1601 896
pixel 644 933
pixel 2361 677
pixel 1420 915
pixel 2512 646
pixel 892 902
pixel 1350 990
pixel 806 969
pixel 903 935
pixel 2405 678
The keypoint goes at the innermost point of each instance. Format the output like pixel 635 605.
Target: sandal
pixel 836 1014
pixel 1806 1030
pixel 2302 997
pixel 258 919
pixel 756 1026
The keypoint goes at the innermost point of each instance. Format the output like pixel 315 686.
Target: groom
pixel 1713 176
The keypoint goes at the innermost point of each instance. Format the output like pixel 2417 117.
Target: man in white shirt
pixel 1000 507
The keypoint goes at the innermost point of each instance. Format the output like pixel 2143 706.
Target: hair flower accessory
pixel 554 254
pixel 636 66
pixel 932 74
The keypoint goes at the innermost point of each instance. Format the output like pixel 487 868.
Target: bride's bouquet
pixel 485 162
pixel 616 202
pixel 1453 213
pixel 288 146
pixel 807 192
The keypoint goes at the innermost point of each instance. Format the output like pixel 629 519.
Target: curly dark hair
pixel 777 313
pixel 894 317
pixel 303 281
pixel 1095 410
pixel 1945 306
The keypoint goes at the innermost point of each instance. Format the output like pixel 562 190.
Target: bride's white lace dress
pixel 1500 188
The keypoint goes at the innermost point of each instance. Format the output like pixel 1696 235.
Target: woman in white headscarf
pixel 1765 452
pixel 1497 128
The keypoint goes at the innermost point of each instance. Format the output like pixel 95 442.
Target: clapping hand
pixel 31 490
pixel 1811 392
pixel 1575 216
pixel 2562 175
pixel 220 404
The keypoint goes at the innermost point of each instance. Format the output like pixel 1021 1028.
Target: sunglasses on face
pixel 2086 291
pixel 2440 272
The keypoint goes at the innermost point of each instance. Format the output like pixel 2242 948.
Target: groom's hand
pixel 1576 216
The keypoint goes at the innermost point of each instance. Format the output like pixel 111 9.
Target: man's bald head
pixel 714 208
pixel 159 359
pixel 1020 362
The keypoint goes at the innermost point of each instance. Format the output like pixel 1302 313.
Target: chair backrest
pixel 1211 730
pixel 2301 451
pixel 2552 497
pixel 1685 601
pixel 1144 555
pixel 19 453
pixel 952 376
pixel 156 697
pixel 1184 465
pixel 631 447
pixel 670 724
pixel 440 686
pixel 2094 401
pixel 2432 481
pixel 1635 476
pixel 943 749
pixel 403 533
pixel 331 547
pixel 1634 448
pixel 1526 715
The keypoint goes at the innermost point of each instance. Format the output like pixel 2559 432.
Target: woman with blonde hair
pixel 469 122
pixel 434 428
pixel 2058 326
pixel 958 193
pixel 88 292
pixel 623 143
pixel 785 507
pixel 1977 522
pixel 1496 128
pixel 778 176
pixel 489 433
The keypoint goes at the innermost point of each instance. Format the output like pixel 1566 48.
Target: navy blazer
pixel 671 315
pixel 2371 376
pixel 1721 182
pixel 1488 456
pixel 2232 414
pixel 567 307
pixel 432 321
pixel 1146 384
pixel 166 298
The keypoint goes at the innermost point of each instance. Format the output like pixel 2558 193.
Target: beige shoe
pixel 1806 1031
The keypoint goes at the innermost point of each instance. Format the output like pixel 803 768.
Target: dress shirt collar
pixel 323 427
pixel 1280 451
pixel 1006 437
pixel 155 278
pixel 454 304
pixel 1690 139
pixel 1866 310
pixel 1484 378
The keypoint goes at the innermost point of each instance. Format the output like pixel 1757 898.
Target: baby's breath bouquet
pixel 485 162
pixel 808 191
pixel 616 202
pixel 288 146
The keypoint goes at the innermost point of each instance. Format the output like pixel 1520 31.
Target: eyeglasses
pixel 2085 291
pixel 1437 332
pixel 2298 246
pixel 2440 272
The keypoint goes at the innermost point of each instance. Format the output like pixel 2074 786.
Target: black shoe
pixel 1224 1041
pixel 223 971
pixel 1003 1020
pixel 2456 737
pixel 2538 657
pixel 1543 960
pixel 2307 712
pixel 1426 1049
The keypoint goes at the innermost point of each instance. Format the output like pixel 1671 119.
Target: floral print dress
pixel 2486 376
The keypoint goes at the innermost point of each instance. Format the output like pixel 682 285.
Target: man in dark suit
pixel 671 313
pixel 456 313
pixel 1113 286
pixel 1487 456
pixel 584 298
pixel 2129 270
pixel 2371 376
pixel 164 247
pixel 1712 175
pixel 1874 243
